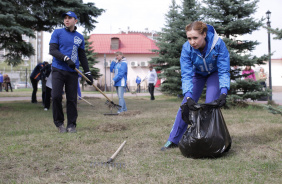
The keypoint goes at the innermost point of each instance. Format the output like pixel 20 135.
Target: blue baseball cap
pixel 71 14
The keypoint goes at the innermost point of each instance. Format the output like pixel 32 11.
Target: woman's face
pixel 261 70
pixel 196 40
pixel 248 67
pixel 118 57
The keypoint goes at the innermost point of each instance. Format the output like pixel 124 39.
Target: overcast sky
pixel 137 15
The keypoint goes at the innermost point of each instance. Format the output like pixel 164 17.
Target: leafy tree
pixel 24 17
pixel 91 57
pixel 170 43
pixel 231 19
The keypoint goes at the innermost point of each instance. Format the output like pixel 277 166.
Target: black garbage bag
pixel 208 135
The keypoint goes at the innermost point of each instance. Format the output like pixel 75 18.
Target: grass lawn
pixel 32 151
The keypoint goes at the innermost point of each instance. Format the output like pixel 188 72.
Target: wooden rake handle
pixel 115 154
pixel 93 85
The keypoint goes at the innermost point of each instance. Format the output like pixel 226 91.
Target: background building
pixel 136 47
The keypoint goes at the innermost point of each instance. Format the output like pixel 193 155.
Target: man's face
pixel 118 57
pixel 69 21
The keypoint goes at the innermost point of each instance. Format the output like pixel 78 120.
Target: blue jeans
pixel 179 127
pixel 120 93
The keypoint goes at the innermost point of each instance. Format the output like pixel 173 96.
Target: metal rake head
pixel 111 105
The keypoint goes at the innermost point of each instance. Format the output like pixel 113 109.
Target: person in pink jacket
pixel 250 73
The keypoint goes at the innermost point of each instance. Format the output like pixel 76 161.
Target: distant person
pixel 45 72
pixel 250 72
pixel 236 73
pixel 35 76
pixel 152 78
pixel 138 81
pixel 67 46
pixel 262 77
pixel 48 91
pixel 119 68
pixel 1 82
pixel 7 82
pixel 78 87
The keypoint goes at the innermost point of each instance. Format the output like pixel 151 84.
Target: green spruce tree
pixel 91 58
pixel 24 17
pixel 232 19
pixel 170 43
pixel 277 32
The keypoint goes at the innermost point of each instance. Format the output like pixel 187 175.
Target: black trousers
pixel 138 88
pixel 61 78
pixel 34 83
pixel 47 97
pixel 151 88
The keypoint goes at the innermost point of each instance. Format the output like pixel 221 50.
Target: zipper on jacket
pixel 204 59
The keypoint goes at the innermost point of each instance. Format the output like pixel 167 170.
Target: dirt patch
pixel 130 113
pixel 5 108
pixel 111 127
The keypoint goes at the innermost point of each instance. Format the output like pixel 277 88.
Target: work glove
pixel 191 103
pixel 70 63
pixel 221 101
pixel 89 76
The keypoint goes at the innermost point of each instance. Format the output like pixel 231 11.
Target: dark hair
pixel 199 26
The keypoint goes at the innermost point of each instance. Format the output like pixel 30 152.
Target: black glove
pixel 89 76
pixel 221 101
pixel 70 63
pixel 191 103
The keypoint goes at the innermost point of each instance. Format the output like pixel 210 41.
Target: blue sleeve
pixel 186 69
pixel 223 65
pixel 54 37
pixel 112 66
pixel 121 72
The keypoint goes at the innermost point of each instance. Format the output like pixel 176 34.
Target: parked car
pixel 22 84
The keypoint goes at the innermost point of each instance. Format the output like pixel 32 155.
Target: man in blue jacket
pixel 1 82
pixel 67 49
pixel 138 81
pixel 204 61
pixel 119 69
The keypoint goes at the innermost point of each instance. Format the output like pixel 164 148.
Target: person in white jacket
pixel 152 78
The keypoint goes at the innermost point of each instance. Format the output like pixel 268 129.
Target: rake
pixel 109 102
pixel 110 162
pixel 85 100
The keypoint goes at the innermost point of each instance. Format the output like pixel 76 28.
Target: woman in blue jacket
pixel 119 69
pixel 204 60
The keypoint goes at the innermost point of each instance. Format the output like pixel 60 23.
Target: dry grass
pixel 33 152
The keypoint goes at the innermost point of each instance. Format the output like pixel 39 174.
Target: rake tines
pixel 106 164
pixel 112 105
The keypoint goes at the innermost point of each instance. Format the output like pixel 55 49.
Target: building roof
pixel 128 43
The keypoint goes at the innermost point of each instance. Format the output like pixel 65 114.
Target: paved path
pixel 276 96
pixel 127 94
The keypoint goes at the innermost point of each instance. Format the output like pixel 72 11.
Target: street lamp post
pixel 268 13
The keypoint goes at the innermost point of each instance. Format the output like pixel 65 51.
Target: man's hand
pixel 221 101
pixel 89 76
pixel 70 63
pixel 191 104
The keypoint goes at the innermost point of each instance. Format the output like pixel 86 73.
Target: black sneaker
pixel 169 145
pixel 71 130
pixel 62 129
